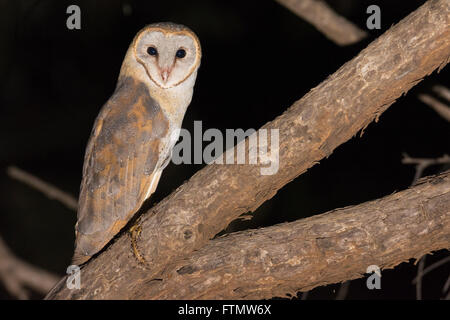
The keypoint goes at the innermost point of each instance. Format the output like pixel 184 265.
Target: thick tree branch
pixel 310 130
pixel 324 249
pixel 333 26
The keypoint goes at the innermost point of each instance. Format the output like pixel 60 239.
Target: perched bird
pixel 133 136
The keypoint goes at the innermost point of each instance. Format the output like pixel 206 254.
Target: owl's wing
pixel 121 166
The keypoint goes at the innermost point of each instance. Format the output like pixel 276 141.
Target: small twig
pixel 419 278
pixel 333 26
pixel 442 109
pixel 442 91
pixel 423 163
pixel 446 285
pixel 431 267
pixel 47 189
pixel 16 275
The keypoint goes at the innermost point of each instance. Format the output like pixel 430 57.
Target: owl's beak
pixel 165 73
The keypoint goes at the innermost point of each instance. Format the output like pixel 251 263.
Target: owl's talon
pixel 135 231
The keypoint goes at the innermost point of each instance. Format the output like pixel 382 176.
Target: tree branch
pixel 333 26
pixel 310 130
pixel 324 249
pixel 442 91
pixel 441 108
pixel 16 275
pixel 423 163
pixel 46 188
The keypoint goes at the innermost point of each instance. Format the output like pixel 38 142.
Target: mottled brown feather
pixel 122 158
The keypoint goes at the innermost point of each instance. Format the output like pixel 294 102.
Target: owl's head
pixel 169 52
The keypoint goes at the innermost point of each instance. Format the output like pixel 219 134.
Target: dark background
pixel 258 58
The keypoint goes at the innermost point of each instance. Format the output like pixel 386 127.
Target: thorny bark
pixel 330 114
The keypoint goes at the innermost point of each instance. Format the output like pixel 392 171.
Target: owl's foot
pixel 135 231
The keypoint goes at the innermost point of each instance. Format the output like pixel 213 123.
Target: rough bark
pixel 324 249
pixel 310 130
pixel 320 15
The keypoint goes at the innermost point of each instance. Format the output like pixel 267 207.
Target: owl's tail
pixel 85 247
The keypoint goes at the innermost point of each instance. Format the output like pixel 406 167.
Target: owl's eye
pixel 181 53
pixel 152 51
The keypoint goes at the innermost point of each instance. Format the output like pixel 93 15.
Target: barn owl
pixel 133 136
